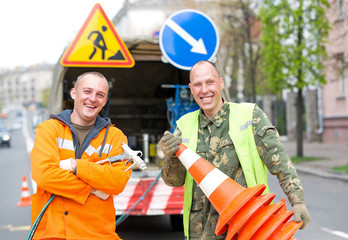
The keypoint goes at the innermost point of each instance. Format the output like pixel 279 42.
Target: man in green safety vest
pixel 238 139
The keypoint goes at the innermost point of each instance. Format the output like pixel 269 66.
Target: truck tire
pixel 176 222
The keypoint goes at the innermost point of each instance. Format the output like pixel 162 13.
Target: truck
pixel 143 101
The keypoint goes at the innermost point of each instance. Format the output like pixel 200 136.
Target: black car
pixel 5 137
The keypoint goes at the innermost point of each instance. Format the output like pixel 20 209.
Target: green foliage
pixel 297 159
pixel 45 97
pixel 293 37
pixel 343 168
pixel 280 116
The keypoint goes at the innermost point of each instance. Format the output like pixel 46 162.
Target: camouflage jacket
pixel 215 145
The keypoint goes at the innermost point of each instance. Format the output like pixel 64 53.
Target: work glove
pixel 100 194
pixel 68 164
pixel 301 213
pixel 169 144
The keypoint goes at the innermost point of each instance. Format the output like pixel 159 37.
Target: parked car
pixel 5 137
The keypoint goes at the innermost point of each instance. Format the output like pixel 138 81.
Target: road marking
pixel 335 232
pixel 16 228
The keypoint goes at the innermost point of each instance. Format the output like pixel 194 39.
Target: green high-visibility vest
pixel 241 133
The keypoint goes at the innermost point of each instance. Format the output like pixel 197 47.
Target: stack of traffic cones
pixel 244 212
pixel 25 195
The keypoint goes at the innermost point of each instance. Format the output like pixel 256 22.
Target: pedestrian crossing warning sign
pixel 97 44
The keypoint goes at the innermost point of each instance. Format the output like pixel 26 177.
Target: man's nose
pixel 204 88
pixel 93 97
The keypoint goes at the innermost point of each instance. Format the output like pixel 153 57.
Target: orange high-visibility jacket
pixel 75 213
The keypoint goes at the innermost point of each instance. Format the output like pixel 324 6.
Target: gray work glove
pixel 301 213
pixel 169 144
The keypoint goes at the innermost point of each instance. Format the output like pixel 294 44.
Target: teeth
pixel 90 106
pixel 206 98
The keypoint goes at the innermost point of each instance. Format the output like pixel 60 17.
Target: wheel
pixel 177 222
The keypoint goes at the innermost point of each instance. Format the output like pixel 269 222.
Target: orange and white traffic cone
pixel 25 195
pixel 243 211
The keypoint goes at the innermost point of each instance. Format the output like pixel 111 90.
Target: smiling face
pixel 90 96
pixel 206 85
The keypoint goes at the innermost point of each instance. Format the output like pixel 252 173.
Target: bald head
pixel 204 64
pixel 94 74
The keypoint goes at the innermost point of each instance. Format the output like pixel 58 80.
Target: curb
pixel 338 176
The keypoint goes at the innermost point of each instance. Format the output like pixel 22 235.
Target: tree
pixel 293 35
pixel 242 35
pixel 250 33
pixel 45 97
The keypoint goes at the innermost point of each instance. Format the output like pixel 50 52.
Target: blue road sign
pixel 187 37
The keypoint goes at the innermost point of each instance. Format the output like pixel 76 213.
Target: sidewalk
pixel 335 155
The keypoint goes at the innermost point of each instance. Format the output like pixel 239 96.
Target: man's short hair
pixel 211 63
pixel 97 74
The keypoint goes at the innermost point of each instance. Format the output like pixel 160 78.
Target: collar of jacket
pixel 100 123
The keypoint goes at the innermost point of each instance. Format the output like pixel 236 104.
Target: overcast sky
pixel 37 31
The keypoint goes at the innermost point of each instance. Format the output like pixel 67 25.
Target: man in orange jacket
pixel 63 163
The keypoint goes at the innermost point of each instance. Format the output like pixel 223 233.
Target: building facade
pixel 23 86
pixel 334 92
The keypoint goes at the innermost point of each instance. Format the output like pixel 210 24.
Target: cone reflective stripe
pixel 25 195
pixel 215 184
pixel 243 211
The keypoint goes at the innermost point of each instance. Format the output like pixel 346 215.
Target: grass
pixel 343 168
pixel 296 159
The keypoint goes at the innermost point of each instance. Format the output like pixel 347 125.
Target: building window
pixel 340 9
pixel 342 75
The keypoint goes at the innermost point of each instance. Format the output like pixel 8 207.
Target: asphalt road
pixel 326 200
pixel 14 164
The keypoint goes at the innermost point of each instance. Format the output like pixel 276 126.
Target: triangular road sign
pixel 97 44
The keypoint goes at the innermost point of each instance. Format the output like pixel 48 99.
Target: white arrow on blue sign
pixel 188 36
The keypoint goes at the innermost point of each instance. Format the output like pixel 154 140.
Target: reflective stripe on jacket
pixel 241 133
pixel 75 213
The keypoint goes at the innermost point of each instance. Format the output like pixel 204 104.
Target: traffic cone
pixel 25 195
pixel 244 212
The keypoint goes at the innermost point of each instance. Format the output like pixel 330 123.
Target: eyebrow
pixel 103 93
pixel 99 92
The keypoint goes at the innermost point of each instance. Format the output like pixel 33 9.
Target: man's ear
pixel 73 93
pixel 105 102
pixel 222 83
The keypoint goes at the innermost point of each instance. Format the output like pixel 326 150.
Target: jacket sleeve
pixel 275 157
pixel 108 179
pixel 45 167
pixel 173 171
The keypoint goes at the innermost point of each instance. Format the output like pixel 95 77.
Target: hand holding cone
pixel 244 212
